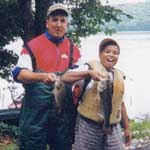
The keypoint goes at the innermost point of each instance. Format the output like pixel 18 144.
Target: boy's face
pixel 109 56
pixel 57 25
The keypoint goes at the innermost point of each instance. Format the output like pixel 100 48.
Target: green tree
pixel 25 19
pixel 9 30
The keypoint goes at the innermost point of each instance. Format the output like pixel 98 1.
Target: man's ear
pixel 46 24
pixel 68 24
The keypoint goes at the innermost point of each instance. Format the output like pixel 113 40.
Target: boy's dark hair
pixel 106 42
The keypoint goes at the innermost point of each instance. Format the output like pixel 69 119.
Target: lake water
pixel 134 61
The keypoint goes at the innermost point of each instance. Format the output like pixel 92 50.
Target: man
pixel 40 122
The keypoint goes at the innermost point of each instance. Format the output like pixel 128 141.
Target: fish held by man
pixel 60 93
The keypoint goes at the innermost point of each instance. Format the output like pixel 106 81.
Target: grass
pixel 12 146
pixel 140 129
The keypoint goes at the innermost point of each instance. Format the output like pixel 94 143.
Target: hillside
pixel 141 17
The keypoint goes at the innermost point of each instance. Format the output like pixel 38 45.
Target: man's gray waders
pixel 40 122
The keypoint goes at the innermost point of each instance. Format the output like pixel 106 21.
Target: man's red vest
pixel 51 57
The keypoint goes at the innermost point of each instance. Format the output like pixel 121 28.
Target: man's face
pixel 109 56
pixel 57 25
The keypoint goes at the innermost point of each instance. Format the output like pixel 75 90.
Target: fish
pixel 105 92
pixel 60 93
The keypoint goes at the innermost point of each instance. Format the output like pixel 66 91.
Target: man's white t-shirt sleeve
pixel 25 62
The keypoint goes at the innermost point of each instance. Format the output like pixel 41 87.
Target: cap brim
pixel 56 12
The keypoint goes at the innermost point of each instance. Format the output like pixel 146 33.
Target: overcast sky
pixel 124 1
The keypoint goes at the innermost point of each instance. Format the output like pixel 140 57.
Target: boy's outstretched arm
pixel 73 76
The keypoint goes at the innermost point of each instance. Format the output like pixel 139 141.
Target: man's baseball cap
pixel 60 8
